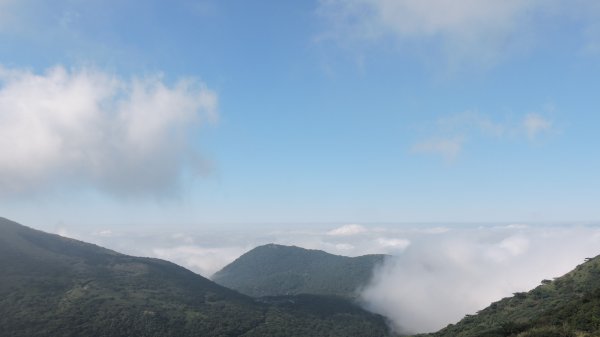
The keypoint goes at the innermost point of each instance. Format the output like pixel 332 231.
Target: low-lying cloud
pixel 347 230
pixel 203 260
pixel 86 127
pixel 440 278
pixel 436 273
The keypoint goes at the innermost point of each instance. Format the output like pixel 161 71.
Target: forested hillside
pixel 568 306
pixel 272 270
pixel 54 286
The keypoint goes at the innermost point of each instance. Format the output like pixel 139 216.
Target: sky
pixel 204 113
pixel 455 134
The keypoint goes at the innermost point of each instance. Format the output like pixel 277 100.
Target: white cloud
pixel 396 244
pixel 86 127
pixel 347 230
pixel 439 279
pixel 205 261
pixel 448 148
pixel 104 233
pixel 515 245
pixel 536 124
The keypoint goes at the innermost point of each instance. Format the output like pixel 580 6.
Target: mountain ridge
pixel 56 286
pixel 275 270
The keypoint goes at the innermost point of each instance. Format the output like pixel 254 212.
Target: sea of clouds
pixel 434 276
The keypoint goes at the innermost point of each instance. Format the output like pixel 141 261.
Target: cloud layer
pixel 439 279
pixel 437 273
pixel 85 127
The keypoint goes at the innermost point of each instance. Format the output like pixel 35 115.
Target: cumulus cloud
pixel 440 278
pixel 352 229
pixel 86 127
pixel 397 244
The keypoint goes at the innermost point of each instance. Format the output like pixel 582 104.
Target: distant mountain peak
pixel 273 269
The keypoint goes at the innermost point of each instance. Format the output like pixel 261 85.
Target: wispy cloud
pixel 536 124
pixel 448 148
pixel 450 134
pixel 465 28
pixel 85 127
pixel 475 31
pixel 473 122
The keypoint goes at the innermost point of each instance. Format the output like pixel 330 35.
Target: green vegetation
pixel 569 306
pixel 272 270
pixel 54 286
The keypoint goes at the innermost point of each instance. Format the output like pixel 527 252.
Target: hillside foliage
pixel 273 270
pixel 55 286
pixel 568 306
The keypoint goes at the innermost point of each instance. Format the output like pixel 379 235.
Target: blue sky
pixel 227 112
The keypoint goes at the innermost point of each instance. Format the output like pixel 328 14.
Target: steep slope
pixel 272 270
pixel 567 306
pixel 54 286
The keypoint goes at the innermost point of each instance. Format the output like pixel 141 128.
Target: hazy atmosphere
pixel 459 137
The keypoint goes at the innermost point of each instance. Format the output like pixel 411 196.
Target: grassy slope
pixel 54 286
pixel 567 306
pixel 272 270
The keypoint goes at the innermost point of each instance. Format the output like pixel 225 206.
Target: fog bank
pixel 441 278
